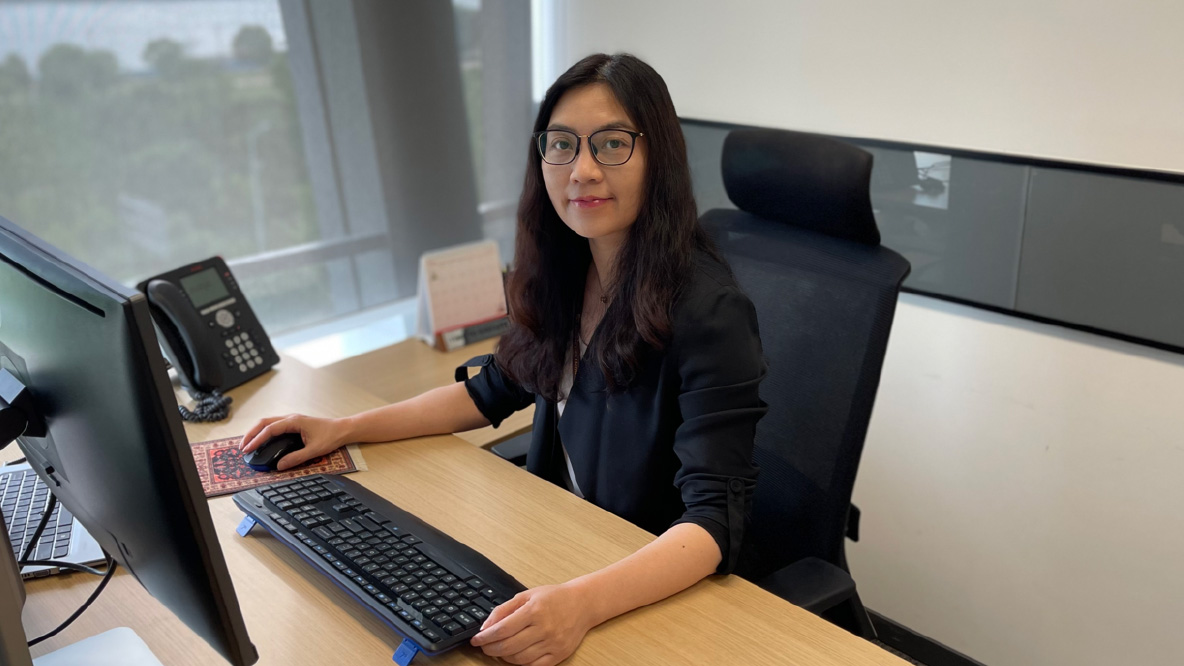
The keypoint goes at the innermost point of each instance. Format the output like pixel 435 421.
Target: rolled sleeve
pixel 493 392
pixel 721 366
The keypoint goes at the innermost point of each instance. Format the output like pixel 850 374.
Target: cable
pixel 70 566
pixel 49 507
pixel 94 595
pixel 212 406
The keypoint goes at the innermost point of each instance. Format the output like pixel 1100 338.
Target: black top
pixel 676 447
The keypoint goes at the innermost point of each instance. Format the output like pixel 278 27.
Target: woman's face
pixel 597 202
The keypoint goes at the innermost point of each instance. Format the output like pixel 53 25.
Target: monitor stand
pixel 117 647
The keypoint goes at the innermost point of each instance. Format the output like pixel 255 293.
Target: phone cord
pixel 212 406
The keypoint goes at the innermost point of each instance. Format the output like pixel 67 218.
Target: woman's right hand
pixel 321 437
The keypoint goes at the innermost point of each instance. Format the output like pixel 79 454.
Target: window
pixel 140 135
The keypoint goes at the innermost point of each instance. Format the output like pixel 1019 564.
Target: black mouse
pixel 267 456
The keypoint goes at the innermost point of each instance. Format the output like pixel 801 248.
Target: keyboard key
pixel 477 612
pixel 484 604
pixel 465 620
pixel 374 517
pixel 367 523
pixel 431 635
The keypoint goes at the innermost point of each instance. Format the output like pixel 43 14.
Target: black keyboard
pixel 23 497
pixel 422 582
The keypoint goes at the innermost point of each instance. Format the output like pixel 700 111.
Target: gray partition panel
pixel 1089 246
pixel 957 220
pixel 1105 251
pixel 705 149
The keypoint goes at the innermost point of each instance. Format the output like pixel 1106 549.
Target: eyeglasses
pixel 610 147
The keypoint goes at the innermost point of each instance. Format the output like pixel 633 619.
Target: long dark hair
pixel 551 261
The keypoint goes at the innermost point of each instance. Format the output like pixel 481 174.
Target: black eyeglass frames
pixel 610 147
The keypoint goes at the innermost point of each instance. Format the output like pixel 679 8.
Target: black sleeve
pixel 720 365
pixel 495 394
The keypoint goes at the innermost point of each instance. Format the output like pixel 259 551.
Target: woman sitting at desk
pixel 632 338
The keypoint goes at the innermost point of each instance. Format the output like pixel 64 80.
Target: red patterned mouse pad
pixel 222 470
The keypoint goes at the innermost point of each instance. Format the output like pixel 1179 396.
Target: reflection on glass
pixel 933 180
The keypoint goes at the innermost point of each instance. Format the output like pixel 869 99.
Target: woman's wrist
pixel 344 431
pixel 591 601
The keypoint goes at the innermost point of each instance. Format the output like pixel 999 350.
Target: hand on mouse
pixel 321 437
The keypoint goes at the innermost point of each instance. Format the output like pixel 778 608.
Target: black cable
pixel 49 507
pixel 212 406
pixel 94 595
pixel 15 462
pixel 71 566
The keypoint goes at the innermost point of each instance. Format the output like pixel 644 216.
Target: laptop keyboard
pixel 23 497
pixel 428 586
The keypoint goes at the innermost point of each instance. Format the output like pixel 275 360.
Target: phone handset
pixel 182 328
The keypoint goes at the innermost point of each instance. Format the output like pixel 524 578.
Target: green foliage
pixel 138 172
pixel 252 46
pixel 14 77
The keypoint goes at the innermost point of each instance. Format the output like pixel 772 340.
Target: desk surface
pixel 533 529
pixel 406 369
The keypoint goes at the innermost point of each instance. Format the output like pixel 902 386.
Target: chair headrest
pixel 801 179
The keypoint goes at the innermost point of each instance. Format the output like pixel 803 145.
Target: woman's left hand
pixel 540 627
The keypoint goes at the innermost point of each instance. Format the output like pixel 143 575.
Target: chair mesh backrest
pixel 825 307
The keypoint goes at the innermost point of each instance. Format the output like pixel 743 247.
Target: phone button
pixel 230 344
pixel 242 367
pixel 224 318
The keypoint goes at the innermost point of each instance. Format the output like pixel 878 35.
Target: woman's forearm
pixel 442 410
pixel 679 558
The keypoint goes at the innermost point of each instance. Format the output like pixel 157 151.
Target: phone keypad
pixel 242 352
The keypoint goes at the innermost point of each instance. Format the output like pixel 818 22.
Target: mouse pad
pixel 222 470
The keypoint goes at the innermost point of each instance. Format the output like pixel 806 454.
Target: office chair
pixel 805 248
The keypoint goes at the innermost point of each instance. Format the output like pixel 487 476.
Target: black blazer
pixel 676 447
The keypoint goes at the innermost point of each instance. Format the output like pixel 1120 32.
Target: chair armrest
pixel 514 449
pixel 810 583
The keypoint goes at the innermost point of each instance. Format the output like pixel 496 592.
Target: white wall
pixel 1023 491
pixel 1084 80
pixel 1023 485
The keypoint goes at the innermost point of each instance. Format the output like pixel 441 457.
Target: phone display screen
pixel 204 287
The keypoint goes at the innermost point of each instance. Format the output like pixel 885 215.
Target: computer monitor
pixel 113 451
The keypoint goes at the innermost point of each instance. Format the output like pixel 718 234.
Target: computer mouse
pixel 266 457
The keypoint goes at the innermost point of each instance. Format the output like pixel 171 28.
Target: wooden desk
pixel 533 529
pixel 409 368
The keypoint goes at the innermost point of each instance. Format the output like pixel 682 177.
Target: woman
pixel 653 417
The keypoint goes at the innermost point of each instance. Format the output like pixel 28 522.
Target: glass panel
pixel 1105 251
pixel 142 135
pixel 468 44
pixel 956 219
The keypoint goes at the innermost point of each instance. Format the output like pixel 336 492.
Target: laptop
pixel 23 497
